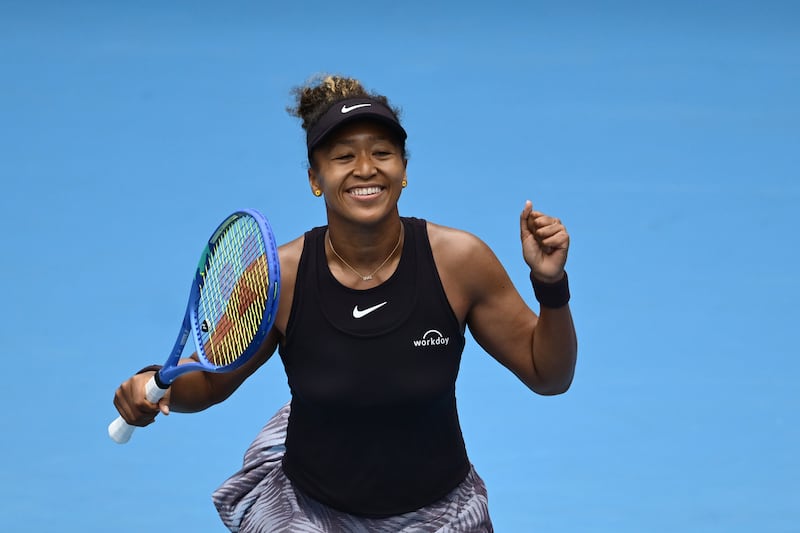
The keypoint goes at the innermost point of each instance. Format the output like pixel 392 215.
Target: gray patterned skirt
pixel 260 498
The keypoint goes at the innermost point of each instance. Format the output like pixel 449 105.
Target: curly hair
pixel 324 90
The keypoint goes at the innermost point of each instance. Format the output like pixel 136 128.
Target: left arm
pixel 540 350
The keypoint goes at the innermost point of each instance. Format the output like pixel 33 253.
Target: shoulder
pixel 292 250
pixel 456 245
pixel 289 256
pixel 466 264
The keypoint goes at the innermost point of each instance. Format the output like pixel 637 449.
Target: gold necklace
pixel 369 276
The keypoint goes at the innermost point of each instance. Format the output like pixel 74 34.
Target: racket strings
pixel 234 292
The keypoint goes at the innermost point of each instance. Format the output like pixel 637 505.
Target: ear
pixel 313 181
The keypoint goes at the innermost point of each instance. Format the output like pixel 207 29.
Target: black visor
pixel 350 109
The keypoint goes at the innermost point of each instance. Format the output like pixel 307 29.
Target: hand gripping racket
pixel 232 305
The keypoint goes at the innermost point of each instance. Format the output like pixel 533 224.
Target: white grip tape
pixel 119 430
pixel 153 392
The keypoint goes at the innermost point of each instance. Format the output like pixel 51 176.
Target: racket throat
pixel 159 383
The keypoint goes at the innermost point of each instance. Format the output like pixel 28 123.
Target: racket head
pixel 235 294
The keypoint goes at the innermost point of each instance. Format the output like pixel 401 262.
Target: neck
pixel 364 243
pixel 365 251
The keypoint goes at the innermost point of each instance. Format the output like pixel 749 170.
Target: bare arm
pixel 540 350
pixel 196 391
pixel 191 392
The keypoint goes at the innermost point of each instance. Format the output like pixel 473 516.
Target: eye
pixel 383 152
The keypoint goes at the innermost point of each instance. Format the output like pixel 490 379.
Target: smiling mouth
pixel 365 191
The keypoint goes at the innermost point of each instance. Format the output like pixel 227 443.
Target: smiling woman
pixel 361 172
pixel 370 329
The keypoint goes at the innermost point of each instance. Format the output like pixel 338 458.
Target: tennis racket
pixel 232 305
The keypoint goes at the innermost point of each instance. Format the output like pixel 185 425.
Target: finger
pixel 133 391
pixel 145 421
pixel 524 218
pixel 134 416
pixel 527 209
pixel 549 230
pixel 536 222
pixel 542 219
pixel 132 405
pixel 559 241
pixel 163 405
pixel 123 409
pixel 537 219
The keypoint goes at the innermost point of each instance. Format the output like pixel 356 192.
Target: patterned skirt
pixel 260 498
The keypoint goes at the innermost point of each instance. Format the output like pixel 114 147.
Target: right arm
pixel 191 392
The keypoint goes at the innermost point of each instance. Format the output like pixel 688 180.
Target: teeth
pixel 364 191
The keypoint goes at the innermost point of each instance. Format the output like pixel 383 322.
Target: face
pixel 359 169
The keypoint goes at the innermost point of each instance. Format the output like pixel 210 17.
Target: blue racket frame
pixel 191 326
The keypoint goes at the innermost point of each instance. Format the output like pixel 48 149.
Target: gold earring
pixel 404 183
pixel 317 192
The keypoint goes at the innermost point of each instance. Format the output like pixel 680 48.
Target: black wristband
pixel 151 368
pixel 551 295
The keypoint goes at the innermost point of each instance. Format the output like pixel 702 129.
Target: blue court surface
pixel 666 135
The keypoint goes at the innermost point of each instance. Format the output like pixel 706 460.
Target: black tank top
pixel 373 428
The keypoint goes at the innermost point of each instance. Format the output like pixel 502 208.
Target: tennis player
pixel 370 329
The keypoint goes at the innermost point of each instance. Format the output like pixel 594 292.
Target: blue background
pixel 666 136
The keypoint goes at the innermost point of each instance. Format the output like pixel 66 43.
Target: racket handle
pixel 119 430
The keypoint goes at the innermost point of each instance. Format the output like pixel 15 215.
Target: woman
pixel 370 328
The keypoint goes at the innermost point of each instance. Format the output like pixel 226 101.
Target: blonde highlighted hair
pixel 322 91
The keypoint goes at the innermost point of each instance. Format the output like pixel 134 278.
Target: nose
pixel 364 165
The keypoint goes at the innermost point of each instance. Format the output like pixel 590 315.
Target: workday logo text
pixel 431 337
